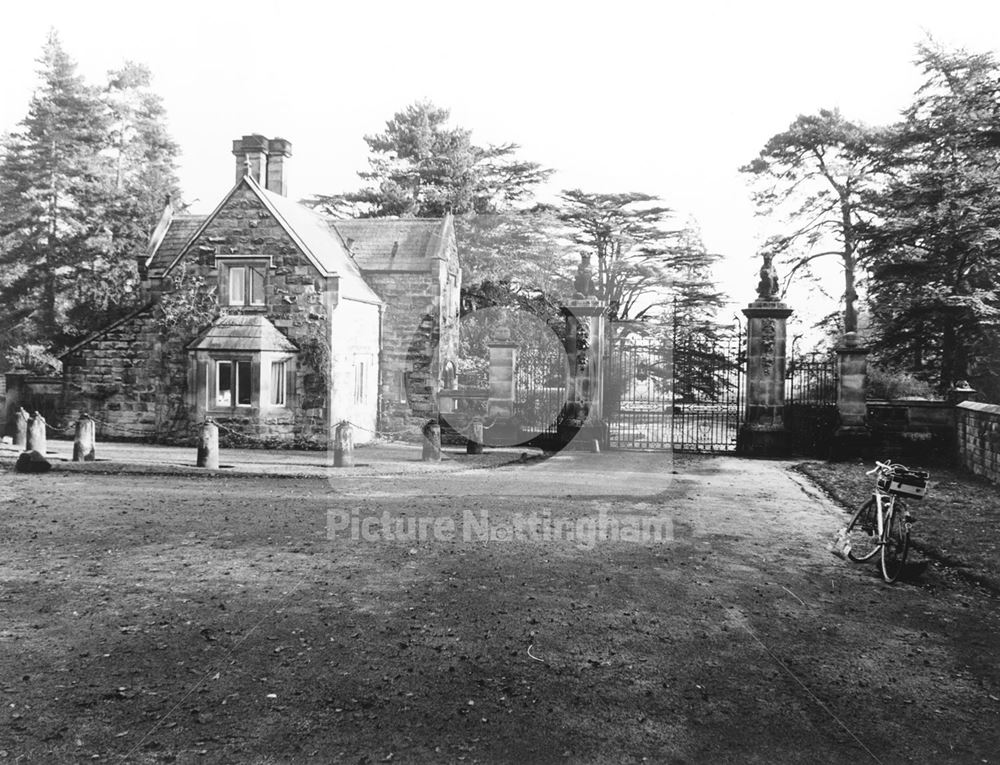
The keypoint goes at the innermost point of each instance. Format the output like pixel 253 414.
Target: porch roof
pixel 242 332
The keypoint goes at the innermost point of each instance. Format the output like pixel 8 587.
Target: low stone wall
pixel 978 436
pixel 916 432
pixel 35 394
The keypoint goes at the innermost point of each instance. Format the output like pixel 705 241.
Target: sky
pixel 668 98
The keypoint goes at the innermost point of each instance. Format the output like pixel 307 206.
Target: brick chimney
pixel 278 149
pixel 263 160
pixel 251 157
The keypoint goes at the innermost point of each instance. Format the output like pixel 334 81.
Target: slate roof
pixel 314 235
pixel 180 229
pixel 237 332
pixel 389 244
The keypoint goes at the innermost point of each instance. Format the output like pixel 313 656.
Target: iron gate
pixel 811 403
pixel 683 391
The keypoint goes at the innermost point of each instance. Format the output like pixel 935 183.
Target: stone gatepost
pixel 21 428
pixel 763 431
pixel 503 362
pixel 852 435
pixel 586 325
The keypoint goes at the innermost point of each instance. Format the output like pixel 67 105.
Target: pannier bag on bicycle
pixel 911 484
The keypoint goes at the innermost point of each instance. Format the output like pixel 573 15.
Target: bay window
pixel 233 387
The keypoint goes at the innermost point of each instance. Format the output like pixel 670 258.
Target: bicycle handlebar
pixel 890 467
pixel 884 466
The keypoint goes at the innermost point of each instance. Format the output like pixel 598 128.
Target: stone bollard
pixel 475 444
pixel 36 435
pixel 83 440
pixel 21 433
pixel 343 445
pixel 432 442
pixel 208 445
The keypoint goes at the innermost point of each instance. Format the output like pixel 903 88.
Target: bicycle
pixel 882 524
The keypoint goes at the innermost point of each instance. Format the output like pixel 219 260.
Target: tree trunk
pixel 948 342
pixel 850 294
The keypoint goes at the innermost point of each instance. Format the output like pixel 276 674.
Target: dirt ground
pixel 155 619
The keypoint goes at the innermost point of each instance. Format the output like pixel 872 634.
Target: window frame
pixel 283 387
pixel 249 264
pixel 234 377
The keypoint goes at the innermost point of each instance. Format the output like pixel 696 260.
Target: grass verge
pixel 957 524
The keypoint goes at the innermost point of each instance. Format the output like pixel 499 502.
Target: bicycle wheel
pixel 862 533
pixel 897 542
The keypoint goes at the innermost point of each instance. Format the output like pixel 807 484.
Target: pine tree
pixel 83 179
pixel 421 166
pixel 627 235
pixel 815 174
pixel 935 251
pixel 138 177
pixel 50 187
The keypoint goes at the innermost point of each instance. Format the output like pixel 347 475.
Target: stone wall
pixel 914 432
pixel 978 436
pixel 140 382
pixel 132 381
pixel 35 393
pixel 419 334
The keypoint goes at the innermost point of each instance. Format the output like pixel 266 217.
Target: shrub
pixel 893 384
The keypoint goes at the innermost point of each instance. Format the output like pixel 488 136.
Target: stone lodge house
pixel 305 321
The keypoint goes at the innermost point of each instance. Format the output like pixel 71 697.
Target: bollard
pixel 21 434
pixel 36 435
pixel 432 442
pixel 208 445
pixel 83 440
pixel 343 445
pixel 475 444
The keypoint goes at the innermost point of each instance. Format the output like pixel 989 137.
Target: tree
pixel 816 173
pixel 627 234
pixel 140 175
pixel 935 246
pixel 83 180
pixel 701 358
pixel 422 167
pixel 49 188
pixel 695 295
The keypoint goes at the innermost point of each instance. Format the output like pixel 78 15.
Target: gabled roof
pixel 236 332
pixel 318 241
pixel 173 239
pixel 396 244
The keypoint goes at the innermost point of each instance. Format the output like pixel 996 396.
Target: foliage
pixel 814 175
pixel 513 258
pixel 33 359
pixel 627 234
pixel 884 383
pixel 188 305
pixel 422 167
pixel 82 179
pixel 935 247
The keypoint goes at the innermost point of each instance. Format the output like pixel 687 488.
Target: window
pixel 278 369
pixel 246 284
pixel 232 383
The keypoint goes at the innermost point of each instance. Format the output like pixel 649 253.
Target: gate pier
pixel 763 432
pixel 583 415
